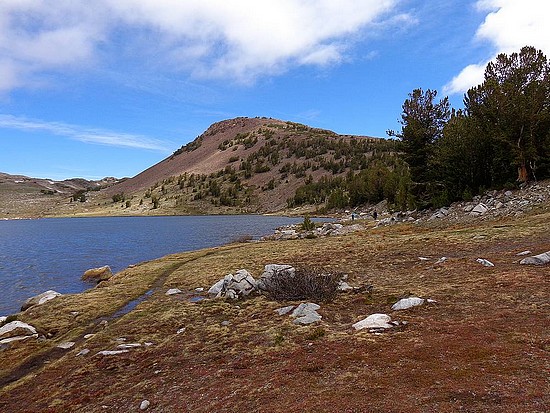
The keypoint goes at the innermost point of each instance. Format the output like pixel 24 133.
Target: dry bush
pixel 305 284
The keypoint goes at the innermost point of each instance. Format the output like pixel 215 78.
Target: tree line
pixel 500 139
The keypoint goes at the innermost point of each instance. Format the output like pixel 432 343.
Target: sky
pixel 111 87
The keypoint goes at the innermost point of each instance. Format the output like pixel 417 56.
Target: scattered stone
pixel 308 318
pixel 16 328
pixel 441 260
pixel 344 287
pixel 431 301
pixel 523 253
pixel 129 346
pixel 423 259
pixel 199 290
pixel 98 274
pixel 468 208
pixel 304 309
pixel 284 310
pixel 75 313
pixel 144 405
pixel 406 303
pixel 485 263
pixel 480 209
pixel 83 352
pixel 2 319
pixel 88 336
pixel 16 338
pixel 374 321
pixel 270 270
pixel 306 313
pixel 540 259
pixel 181 330
pixel 111 352
pixel 103 323
pixel 225 323
pixel 66 345
pixel 40 299
pixel 173 291
pixel 148 344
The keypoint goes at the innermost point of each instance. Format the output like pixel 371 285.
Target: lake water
pixel 52 254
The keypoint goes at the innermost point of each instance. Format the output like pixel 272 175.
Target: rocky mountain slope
pixel 247 165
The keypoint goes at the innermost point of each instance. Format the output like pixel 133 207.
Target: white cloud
pixel 239 39
pixel 508 26
pixel 83 134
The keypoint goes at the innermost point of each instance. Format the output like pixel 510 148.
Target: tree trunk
pixel 523 175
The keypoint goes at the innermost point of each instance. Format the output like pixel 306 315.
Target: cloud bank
pixel 239 40
pixel 86 135
pixel 508 26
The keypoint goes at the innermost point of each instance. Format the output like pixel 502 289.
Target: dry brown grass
pixel 482 347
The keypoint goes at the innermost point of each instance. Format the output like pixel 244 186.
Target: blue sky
pixel 111 87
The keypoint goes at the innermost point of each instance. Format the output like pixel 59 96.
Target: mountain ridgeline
pixel 265 165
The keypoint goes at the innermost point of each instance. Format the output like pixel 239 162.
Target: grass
pixel 485 335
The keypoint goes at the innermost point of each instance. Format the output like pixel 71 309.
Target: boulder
pixel 16 328
pixel 479 209
pixel 40 299
pixel 485 263
pixel 284 310
pixel 406 303
pixel 274 269
pixel 234 286
pixel 98 274
pixel 306 313
pixel 173 291
pixel 540 259
pixel 374 321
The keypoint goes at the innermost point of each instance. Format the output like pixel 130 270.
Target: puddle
pixel 131 305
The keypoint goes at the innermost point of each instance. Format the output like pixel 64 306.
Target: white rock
pixel 144 405
pixel 521 254
pixel 199 290
pixel 480 209
pixel 344 286
pixel 423 259
pixel 129 346
pixel 374 321
pixel 485 263
pixel 83 352
pixel 16 328
pixel 540 259
pixel 40 299
pixel 111 352
pixel 308 318
pixel 284 310
pixel 87 336
pixel 173 291
pixel 2 319
pixel 216 288
pixel 406 303
pixel 17 338
pixel 270 270
pixel 441 260
pixel 238 285
pixel 304 309
pixel 66 345
pixel 181 330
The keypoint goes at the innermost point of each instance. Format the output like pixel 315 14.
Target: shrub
pixel 304 284
pixel 308 224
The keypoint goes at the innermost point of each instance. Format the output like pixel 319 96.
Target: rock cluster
pixel 234 286
pixel 304 314
pixel 540 259
pixel 326 230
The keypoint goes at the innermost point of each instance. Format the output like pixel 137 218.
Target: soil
pixel 483 346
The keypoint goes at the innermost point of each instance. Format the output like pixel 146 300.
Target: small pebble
pixel 144 405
